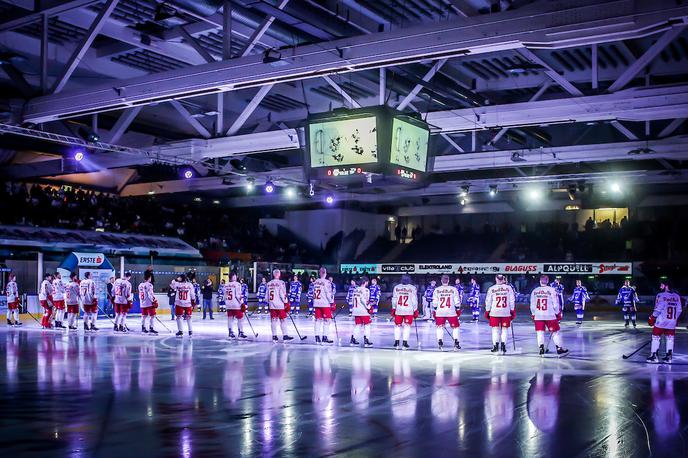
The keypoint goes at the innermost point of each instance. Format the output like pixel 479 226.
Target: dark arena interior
pixel 343 228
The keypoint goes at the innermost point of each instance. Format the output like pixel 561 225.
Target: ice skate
pixel 286 338
pixel 541 352
pixel 456 345
pixel 231 335
pixel 93 327
pixel 353 341
pixel 190 333
pixel 326 340
pixel 503 348
pixel 242 335
pixel 18 323
pixel 562 351
pixel 495 348
pixel 440 344
pixel 179 334
pixel 626 324
pixel 275 339
pixel 115 328
pixel 73 328
pixel 152 331
pixel 405 346
pixel 653 358
pixel 123 328
pixel 9 323
pixel 144 330
pixel 667 357
pixel 367 342
pixel 396 345
pixel 317 339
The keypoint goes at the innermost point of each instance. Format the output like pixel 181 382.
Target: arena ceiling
pixel 515 91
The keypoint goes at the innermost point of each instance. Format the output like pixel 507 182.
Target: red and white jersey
pixel 88 290
pixel 146 294
pixel 12 292
pixel 58 290
pixel 233 299
pixel 122 291
pixel 185 293
pixel 277 294
pixel 45 290
pixel 544 303
pixel 500 300
pixel 72 293
pixel 445 300
pixel 405 299
pixel 667 310
pixel 323 296
pixel 359 301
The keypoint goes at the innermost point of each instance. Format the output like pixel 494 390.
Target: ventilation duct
pixel 203 8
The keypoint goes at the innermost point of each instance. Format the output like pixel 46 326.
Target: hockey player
pixel 12 292
pixel 459 289
pixel 221 303
pixel 427 312
pixel 261 296
pixel 295 287
pixel 197 290
pixel 579 297
pixel 334 286
pixel 361 308
pixel 244 293
pixel 72 297
pixel 183 306
pixel 374 296
pixel 45 298
pixel 236 306
pixel 500 309
pixel 149 304
pixel 350 296
pixel 627 299
pixel 445 301
pixel 473 299
pixel 89 302
pixel 123 301
pixel 59 299
pixel 324 305
pixel 559 288
pixel 279 306
pixel 404 310
pixel 546 313
pixel 309 296
pixel 663 321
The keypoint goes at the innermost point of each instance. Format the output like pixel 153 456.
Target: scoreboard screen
pixel 343 142
pixel 409 145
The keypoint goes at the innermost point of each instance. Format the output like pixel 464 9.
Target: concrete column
pixel 39 267
pixel 121 266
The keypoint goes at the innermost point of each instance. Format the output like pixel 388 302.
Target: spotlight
pixel 89 135
pixel 329 199
pixel 216 202
pixel 615 187
pixel 269 187
pixel 250 184
pixel 187 173
pixel 79 155
pixel 493 190
pixel 464 191
pixel 535 194
pixel 463 201
pixel 290 193
pixel 572 191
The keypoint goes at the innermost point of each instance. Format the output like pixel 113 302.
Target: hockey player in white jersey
pixel 279 306
pixel 404 310
pixel 236 306
pixel 324 305
pixel 45 298
pixel 361 308
pixel 59 299
pixel 446 303
pixel 149 304
pixel 89 302
pixel 500 309
pixel 122 291
pixel 12 292
pixel 72 298
pixel 184 304
pixel 545 309
pixel 663 321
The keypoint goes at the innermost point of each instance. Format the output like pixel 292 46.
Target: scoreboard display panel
pixel 343 142
pixel 409 144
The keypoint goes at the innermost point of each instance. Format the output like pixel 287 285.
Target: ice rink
pixel 136 395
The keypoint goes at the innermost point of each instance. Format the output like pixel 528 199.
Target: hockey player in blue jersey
pixel 244 292
pixel 334 286
pixel 473 299
pixel 221 296
pixel 459 288
pixel 261 295
pixel 295 287
pixel 350 296
pixel 309 296
pixel 374 300
pixel 627 299
pixel 579 297
pixel 559 288
pixel 429 290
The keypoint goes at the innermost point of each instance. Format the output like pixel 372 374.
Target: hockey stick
pixel 251 326
pixel 336 331
pixel 549 339
pixel 513 336
pixel 34 318
pixel 297 329
pixel 415 322
pixel 637 350
pixel 106 315
pixel 163 324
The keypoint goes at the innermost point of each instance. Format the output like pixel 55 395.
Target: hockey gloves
pixel 415 314
pixel 487 315
pixel 559 316
pixel 392 312
pixel 513 314
pixel 651 321
pixel 287 307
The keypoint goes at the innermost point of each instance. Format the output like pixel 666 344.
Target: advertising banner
pixel 510 268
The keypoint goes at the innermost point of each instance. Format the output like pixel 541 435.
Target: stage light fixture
pixel 79 155
pixel 188 174
pixel 463 201
pixel 615 187
pixel 329 199
pixel 535 194
pixel 269 187
pixel 250 184
pixel 290 193
pixel 493 190
pixel 464 191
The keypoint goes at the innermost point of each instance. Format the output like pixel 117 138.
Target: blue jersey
pixel 580 296
pixel 310 292
pixel 474 295
pixel 350 295
pixel 244 292
pixel 334 289
pixel 197 292
pixel 560 292
pixel 221 294
pixel 374 294
pixel 295 292
pixel 428 293
pixel 627 297
pixel 262 292
pixel 459 289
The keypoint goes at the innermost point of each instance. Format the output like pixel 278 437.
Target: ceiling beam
pixel 624 130
pixel 197 46
pixel 193 122
pixel 549 71
pixel 260 31
pixel 555 26
pixel 673 125
pixel 249 109
pixel 418 87
pixel 122 124
pixel 49 8
pixel 353 103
